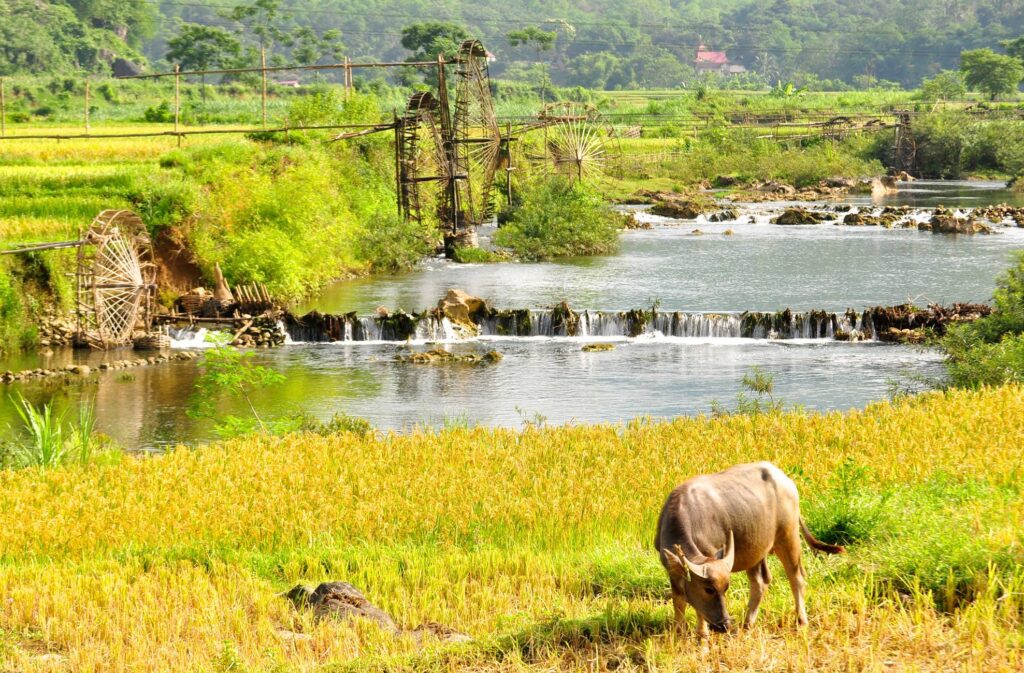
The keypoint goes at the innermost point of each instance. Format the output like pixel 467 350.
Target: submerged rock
pixel 596 348
pixel 439 355
pixel 799 216
pixel 943 223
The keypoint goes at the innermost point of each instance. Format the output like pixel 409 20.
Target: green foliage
pixel 45 440
pixel 340 423
pixel 762 385
pixel 428 39
pixel 231 373
pixel 45 446
pixel 994 74
pixel 543 40
pixel 990 351
pixel 467 255
pixel 391 243
pixel 559 218
pixel 946 85
pixel 65 36
pixel 850 510
pixel 199 47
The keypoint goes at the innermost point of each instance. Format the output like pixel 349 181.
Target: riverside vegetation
pixel 179 561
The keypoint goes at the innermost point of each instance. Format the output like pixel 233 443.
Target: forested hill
pixel 598 43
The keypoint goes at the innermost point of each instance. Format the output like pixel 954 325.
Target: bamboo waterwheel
pixel 116 279
pixel 424 167
pixel 476 136
pixel 578 142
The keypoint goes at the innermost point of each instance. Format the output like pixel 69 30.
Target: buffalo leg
pixel 702 626
pixel 679 604
pixel 788 552
pixel 759 579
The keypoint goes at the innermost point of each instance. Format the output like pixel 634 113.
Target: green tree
pixel 198 47
pixel 946 85
pixel 991 73
pixel 1014 47
pixel 427 39
pixel 541 40
pixel 230 372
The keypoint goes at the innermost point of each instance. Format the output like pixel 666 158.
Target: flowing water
pixel 694 354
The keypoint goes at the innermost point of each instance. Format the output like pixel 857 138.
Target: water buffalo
pixel 714 525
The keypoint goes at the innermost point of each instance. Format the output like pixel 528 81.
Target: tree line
pixel 603 44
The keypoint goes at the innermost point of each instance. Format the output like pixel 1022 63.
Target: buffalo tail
pixel 815 543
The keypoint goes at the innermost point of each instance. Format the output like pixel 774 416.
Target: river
pixel 760 267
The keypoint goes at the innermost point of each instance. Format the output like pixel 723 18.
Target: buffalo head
pixel 703 581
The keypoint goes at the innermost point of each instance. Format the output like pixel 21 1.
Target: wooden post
pixel 86 104
pixel 398 165
pixel 348 79
pixel 177 97
pixel 263 71
pixel 509 168
pixel 3 110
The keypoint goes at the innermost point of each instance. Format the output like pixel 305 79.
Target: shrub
pixel 559 218
pixel 990 351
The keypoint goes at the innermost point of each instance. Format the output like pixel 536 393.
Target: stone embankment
pixel 83 371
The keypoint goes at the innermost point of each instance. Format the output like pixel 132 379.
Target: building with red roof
pixel 715 61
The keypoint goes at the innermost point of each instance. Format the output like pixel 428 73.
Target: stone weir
pixel 890 323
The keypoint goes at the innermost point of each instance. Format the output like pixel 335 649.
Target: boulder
pixel 903 176
pixel 463 308
pixel 943 223
pixel 221 291
pixel 799 216
pixel 340 600
pixel 839 183
pixel 883 186
pixel 860 220
pixel 679 209
pixel 776 187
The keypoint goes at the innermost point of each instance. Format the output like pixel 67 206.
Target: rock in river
pixel 799 216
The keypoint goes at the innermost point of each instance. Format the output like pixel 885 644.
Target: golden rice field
pixel 536 543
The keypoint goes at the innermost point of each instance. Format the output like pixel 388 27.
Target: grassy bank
pixel 536 543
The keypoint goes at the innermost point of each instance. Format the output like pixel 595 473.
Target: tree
pixel 1014 47
pixel 946 85
pixel 542 40
pixel 427 39
pixel 198 47
pixel 992 73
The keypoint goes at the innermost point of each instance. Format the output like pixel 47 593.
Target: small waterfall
pixel 563 322
pixel 188 337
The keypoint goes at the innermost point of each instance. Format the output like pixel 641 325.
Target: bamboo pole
pixel 263 70
pixel 86 104
pixel 291 68
pixel 177 95
pixel 347 79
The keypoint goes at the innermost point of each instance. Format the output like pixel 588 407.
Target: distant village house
pixel 715 61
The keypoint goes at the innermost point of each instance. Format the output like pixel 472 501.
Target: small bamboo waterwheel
pixel 579 142
pixel 116 279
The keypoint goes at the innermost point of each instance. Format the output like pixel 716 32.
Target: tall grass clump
pixel 45 446
pixel 560 218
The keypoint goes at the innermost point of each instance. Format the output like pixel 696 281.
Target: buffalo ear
pixel 676 566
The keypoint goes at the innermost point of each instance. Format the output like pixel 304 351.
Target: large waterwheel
pixel 116 279
pixel 424 166
pixel 476 137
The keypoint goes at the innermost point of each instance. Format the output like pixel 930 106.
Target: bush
pixel 558 218
pixel 990 351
